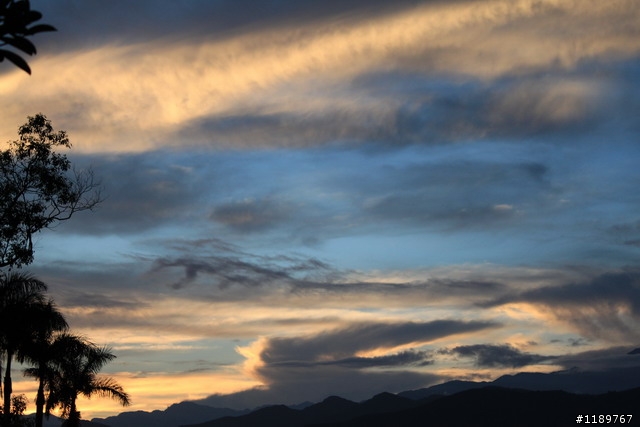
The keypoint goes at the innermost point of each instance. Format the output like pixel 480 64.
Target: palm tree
pixel 46 320
pixel 21 297
pixel 75 372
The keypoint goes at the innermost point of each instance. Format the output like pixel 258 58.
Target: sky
pixel 307 198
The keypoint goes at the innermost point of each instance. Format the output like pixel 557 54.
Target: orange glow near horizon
pixel 152 391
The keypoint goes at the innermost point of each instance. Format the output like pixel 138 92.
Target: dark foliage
pixel 38 188
pixel 16 17
pixel 75 373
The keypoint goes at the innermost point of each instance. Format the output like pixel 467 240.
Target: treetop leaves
pixel 38 188
pixel 16 59
pixel 16 17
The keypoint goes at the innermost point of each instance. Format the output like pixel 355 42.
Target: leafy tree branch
pixel 38 188
pixel 16 17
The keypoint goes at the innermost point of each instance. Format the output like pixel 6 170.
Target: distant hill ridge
pixel 335 409
pixel 572 380
pixel 486 406
pixel 175 415
pixel 331 410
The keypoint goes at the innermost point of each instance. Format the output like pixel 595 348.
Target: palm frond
pixel 108 387
pixel 16 286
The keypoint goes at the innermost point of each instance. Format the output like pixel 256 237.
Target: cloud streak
pixel 606 307
pixel 151 88
pixel 357 338
pixel 491 356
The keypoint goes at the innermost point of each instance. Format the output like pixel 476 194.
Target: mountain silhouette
pixel 277 415
pixel 335 410
pixel 332 409
pixel 173 416
pixel 493 406
pixel 450 387
pixel 53 421
pixel 572 380
pixel 486 406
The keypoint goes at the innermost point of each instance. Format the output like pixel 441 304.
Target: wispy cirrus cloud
pixel 307 367
pixel 213 78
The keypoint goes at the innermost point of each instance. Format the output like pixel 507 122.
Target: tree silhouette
pixel 38 351
pixel 24 313
pixel 16 17
pixel 75 369
pixel 16 417
pixel 38 188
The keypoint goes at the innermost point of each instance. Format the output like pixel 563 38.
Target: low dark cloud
pixel 404 358
pixel 315 366
pixel 606 307
pixel 601 359
pixel 348 341
pixel 617 287
pixel 496 356
pixel 316 384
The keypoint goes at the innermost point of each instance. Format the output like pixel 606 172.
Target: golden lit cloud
pixel 133 97
pixel 252 354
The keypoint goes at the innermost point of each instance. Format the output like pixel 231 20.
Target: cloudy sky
pixel 305 198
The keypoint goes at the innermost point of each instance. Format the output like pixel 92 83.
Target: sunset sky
pixel 305 198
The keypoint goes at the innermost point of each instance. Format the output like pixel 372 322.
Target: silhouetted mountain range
pixel 173 416
pixel 573 381
pixel 536 396
pixel 54 421
pixel 496 406
pixel 485 406
pixel 332 409
pixel 444 389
